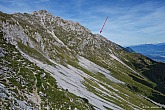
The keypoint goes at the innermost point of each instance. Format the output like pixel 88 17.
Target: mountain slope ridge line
pixel 91 71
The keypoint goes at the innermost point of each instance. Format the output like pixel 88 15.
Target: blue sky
pixel 130 22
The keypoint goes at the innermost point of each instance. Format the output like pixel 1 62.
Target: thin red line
pixel 103 24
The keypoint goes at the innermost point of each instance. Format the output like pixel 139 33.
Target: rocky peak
pixel 44 17
pixel 41 12
pixel 50 21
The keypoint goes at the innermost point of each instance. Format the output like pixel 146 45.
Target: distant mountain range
pixel 153 51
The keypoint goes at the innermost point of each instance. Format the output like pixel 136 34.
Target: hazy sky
pixel 130 22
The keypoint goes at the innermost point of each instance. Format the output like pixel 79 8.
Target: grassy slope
pixel 23 76
pixel 136 84
pixel 153 73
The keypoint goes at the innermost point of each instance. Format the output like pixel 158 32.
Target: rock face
pixel 51 63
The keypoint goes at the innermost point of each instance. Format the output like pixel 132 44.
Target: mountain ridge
pixel 87 65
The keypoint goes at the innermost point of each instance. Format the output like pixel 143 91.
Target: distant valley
pixel 153 51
